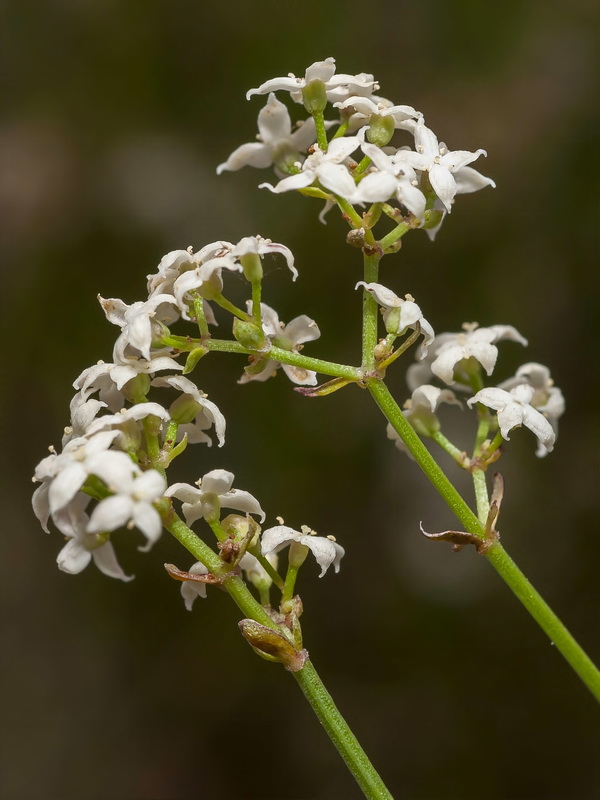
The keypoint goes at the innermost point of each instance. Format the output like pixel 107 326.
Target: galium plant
pixel 133 416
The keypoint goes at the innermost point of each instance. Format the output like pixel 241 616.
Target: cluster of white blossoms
pixel 426 176
pixel 456 359
pixel 110 472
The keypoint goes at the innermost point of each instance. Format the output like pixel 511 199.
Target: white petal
pixel 73 558
pixel 242 501
pixel 106 561
pixel 325 552
pixel 66 485
pixel 147 520
pixel 338 180
pixel 274 538
pixel 217 481
pixel 443 185
pixel 110 514
pixel 252 154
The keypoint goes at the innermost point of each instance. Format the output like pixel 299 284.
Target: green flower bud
pixel 137 388
pixel 249 335
pixel 252 266
pixel 381 130
pixel 184 409
pixel 314 97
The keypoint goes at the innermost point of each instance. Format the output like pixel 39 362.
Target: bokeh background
pixel 115 117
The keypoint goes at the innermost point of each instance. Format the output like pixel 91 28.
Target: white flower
pixel 82 546
pixel 325 550
pixel 450 349
pixel 514 409
pixel 177 262
pixel 337 86
pixel 276 142
pixel 364 108
pixel 400 314
pixel 445 167
pixel 290 337
pixel 214 489
pixel 190 590
pixel 136 320
pixel 393 177
pixel 206 413
pixel 260 246
pixel 328 168
pixel 82 414
pixel 109 378
pixel 131 503
pixel 68 471
pixel 547 398
pixel 126 417
pixel 420 410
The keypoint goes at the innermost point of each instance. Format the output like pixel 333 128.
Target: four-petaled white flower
pixel 138 322
pixel 394 177
pixel 276 144
pixel 290 337
pixel 131 503
pixel 203 411
pixel 337 87
pixel 514 409
pixel 212 492
pixel 325 550
pixel 81 546
pixel 445 167
pixel 364 108
pixel 328 168
pixel 547 398
pixel 400 314
pixel 63 474
pixel 260 246
pixel 450 349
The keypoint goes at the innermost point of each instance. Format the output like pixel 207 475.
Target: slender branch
pixel 496 555
pixel 370 313
pixel 289 357
pixel 308 679
pixel 337 730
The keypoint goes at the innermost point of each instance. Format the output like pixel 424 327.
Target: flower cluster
pixel 425 176
pixel 458 359
pixel 111 471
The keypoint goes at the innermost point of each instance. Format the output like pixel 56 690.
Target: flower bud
pixel 272 646
pixel 249 335
pixel 184 409
pixel 137 388
pixel 314 97
pixel 252 266
pixel 380 130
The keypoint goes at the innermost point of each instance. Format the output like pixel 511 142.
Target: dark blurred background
pixel 115 117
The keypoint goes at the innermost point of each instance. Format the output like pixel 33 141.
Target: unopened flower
pixel 325 550
pixel 276 144
pixel 190 590
pixel 514 409
pixel 400 314
pixel 290 337
pixel 210 493
pixel 445 167
pixel 337 87
pixel 327 168
pixel 131 503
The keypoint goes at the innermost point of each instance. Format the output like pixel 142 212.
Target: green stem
pixel 496 555
pixel 256 297
pixel 289 357
pixel 315 692
pixel 457 454
pixel 200 315
pixel 224 303
pixel 339 733
pixel 320 129
pixel 546 618
pixel 482 499
pixel 363 165
pixel 370 313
